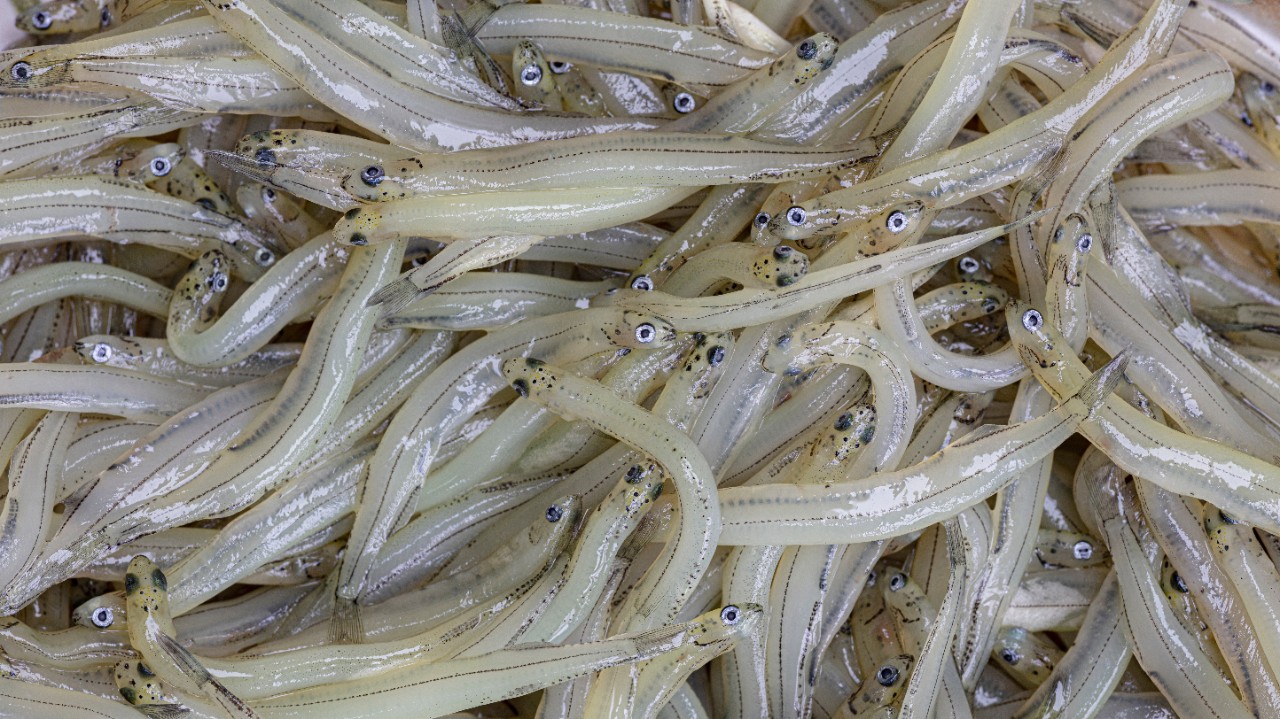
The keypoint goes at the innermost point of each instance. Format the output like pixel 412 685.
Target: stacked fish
pixel 635 358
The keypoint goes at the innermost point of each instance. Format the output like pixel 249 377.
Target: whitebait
pixel 151 633
pixel 1171 459
pixel 105 208
pixel 488 301
pixel 452 684
pixel 634 44
pixel 889 505
pixel 154 357
pixel 292 288
pixel 406 117
pixel 400 466
pixel 663 592
pixel 751 307
pixel 1184 673
pixel 484 215
pixel 640 159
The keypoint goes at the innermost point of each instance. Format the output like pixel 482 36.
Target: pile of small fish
pixel 641 359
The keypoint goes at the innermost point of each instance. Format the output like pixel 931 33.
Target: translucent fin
pixel 345 626
pixel 394 296
pixel 1103 382
pixel 163 711
pixel 191 666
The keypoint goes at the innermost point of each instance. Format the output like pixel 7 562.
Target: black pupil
pixel 887 676
pixel 730 616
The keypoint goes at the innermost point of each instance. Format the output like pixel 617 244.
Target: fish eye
pixel 1228 518
pixel 41 20
pixel 559 67
pixel 372 175
pixel 1082 550
pixel 1032 320
pixel 1248 122
pixel 265 156
pixel 807 50
pixel 1009 655
pixel 554 513
pixel 762 219
pixel 1085 242
pixel 897 582
pixel 268 194
pixel 644 283
pixel 264 257
pixel 844 422
pixel 968 265
pixel 130 583
pixel 101 352
pixel 102 617
pixel 20 70
pixel 1267 87
pixel 531 75
pixel 782 252
pixel 219 282
pixel 730 615
pixel 1178 583
pixel 646 333
pixel 106 17
pixel 888 675
pixel 896 221
pixel 871 578
pixel 715 355
pixel 796 215
pixel 635 473
pixel 683 103
pixel 161 166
